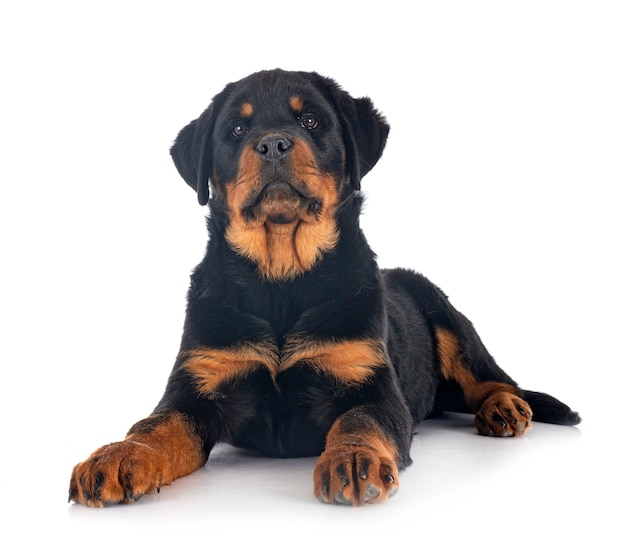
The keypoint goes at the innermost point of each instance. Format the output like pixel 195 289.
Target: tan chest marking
pixel 350 362
pixel 210 367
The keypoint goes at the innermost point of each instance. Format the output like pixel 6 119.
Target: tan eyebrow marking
pixel 246 109
pixel 296 103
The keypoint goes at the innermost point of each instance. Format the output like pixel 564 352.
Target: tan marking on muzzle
pixel 283 251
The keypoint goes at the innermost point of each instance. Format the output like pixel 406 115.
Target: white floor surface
pixel 546 490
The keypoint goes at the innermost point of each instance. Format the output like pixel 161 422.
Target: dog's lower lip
pixel 280 219
pixel 276 184
pixel 254 201
pixel 280 186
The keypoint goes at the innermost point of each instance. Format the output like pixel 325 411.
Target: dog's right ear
pixel 364 131
pixel 191 153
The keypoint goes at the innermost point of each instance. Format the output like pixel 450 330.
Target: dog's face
pixel 280 151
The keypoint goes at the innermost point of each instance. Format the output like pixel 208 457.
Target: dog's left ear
pixel 365 133
pixel 191 153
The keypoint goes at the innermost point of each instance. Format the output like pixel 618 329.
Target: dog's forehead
pixel 273 93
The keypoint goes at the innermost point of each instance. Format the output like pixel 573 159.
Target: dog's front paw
pixel 354 475
pixel 116 473
pixel 503 414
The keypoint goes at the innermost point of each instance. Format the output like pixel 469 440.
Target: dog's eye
pixel 239 130
pixel 309 120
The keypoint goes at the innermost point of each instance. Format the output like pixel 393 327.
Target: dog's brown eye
pixel 308 120
pixel 239 130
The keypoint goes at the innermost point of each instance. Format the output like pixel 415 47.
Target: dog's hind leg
pixel 501 407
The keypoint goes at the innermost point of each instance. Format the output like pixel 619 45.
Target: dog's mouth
pixel 279 202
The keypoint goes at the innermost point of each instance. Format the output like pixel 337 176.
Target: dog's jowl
pixel 295 342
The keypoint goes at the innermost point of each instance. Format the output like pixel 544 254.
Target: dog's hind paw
pixel 503 414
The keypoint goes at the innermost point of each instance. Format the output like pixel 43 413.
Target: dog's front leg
pixel 361 460
pixel 156 451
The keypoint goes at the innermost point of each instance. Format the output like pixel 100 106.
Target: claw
pixel 343 475
pixel 364 468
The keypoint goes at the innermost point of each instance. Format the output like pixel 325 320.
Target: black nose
pixel 273 147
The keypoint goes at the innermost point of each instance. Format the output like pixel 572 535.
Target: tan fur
pixel 283 251
pixel 453 368
pixel 351 362
pixel 212 366
pixel 144 461
pixel 366 451
pixel 246 110
pixel 296 103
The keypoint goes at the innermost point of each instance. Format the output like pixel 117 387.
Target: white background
pixel 502 181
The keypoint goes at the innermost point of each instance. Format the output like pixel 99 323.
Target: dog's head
pixel 280 151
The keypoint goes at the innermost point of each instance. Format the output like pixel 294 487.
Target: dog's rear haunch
pixel 295 343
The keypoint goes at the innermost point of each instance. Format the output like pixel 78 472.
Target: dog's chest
pixel 287 415
pixel 282 401
pixel 266 361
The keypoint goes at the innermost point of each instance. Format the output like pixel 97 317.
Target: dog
pixel 295 343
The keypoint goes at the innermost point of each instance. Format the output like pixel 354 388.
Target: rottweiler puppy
pixel 295 343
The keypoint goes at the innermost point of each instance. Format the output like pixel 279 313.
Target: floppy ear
pixel 365 133
pixel 191 153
